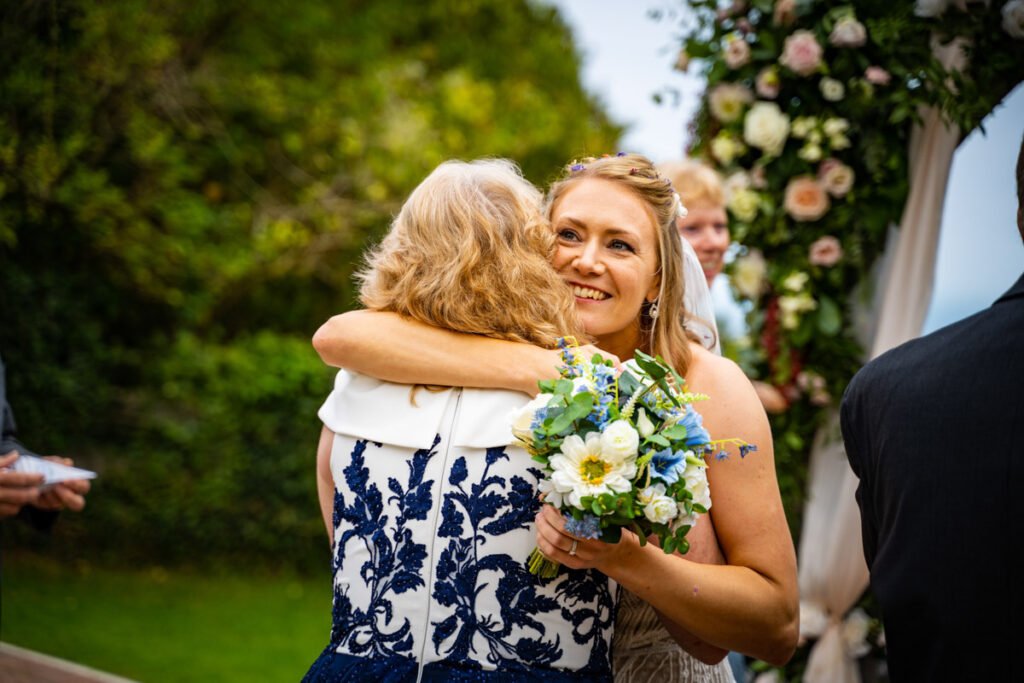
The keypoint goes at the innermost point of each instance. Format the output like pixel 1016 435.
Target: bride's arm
pixel 396 349
pixel 749 605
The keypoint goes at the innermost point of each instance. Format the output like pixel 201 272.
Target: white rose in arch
pixel 930 8
pixel 766 128
pixel 848 32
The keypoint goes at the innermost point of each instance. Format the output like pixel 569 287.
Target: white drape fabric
pixel 833 573
pixel 699 316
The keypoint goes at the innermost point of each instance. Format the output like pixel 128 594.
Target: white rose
pixel 740 180
pixel 620 439
pixel 1013 19
pixel 831 89
pixel 848 32
pixel 658 507
pixel 696 477
pixel 522 418
pixel 766 128
pixel 748 274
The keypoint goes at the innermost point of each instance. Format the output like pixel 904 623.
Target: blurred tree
pixel 178 180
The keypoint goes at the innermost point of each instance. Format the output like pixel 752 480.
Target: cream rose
pixel 848 32
pixel 825 251
pixel 810 152
pixel 796 281
pixel 801 53
pixel 727 101
pixel 696 477
pixel 725 148
pixel 791 306
pixel 805 199
pixel 766 128
pixel 835 126
pixel 831 89
pixel 748 274
pixel 743 204
pixel 1013 19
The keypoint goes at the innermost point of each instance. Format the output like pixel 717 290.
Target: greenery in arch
pixel 840 125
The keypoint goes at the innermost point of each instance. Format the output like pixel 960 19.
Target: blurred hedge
pixel 185 189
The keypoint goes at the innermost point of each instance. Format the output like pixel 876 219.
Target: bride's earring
pixel 652 310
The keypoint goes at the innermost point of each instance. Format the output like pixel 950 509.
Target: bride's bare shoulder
pixel 712 374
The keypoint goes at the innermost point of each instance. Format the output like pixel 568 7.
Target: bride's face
pixel 608 252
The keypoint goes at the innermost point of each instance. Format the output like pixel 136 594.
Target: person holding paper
pixel 22 493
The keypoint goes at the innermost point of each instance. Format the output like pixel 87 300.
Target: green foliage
pixel 185 191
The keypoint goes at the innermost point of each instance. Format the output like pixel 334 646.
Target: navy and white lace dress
pixel 433 523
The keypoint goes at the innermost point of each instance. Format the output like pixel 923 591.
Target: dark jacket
pixel 934 429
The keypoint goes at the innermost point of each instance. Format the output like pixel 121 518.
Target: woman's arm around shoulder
pixel 397 349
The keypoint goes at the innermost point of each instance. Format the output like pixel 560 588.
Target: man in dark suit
pixel 934 430
pixel 20 493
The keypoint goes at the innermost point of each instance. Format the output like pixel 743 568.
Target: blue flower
pixel 747 448
pixel 668 466
pixel 696 435
pixel 588 527
pixel 538 418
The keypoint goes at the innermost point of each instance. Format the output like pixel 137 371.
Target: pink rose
pixel 826 251
pixel 801 53
pixel 768 83
pixel 805 199
pixel 877 75
pixel 848 32
pixel 784 12
pixel 737 51
pixel 836 177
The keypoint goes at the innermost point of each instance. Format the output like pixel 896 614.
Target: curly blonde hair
pixel 664 335
pixel 696 182
pixel 471 251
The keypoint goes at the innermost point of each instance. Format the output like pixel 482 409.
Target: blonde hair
pixel 664 335
pixel 696 182
pixel 470 251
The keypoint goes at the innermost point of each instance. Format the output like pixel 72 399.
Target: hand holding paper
pixel 53 472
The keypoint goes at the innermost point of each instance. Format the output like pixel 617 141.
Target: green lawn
pixel 156 626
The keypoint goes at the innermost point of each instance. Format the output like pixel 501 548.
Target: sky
pixel 628 57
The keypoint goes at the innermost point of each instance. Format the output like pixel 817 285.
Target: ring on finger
pixel 572 548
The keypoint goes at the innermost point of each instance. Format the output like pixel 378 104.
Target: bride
pixel 620 254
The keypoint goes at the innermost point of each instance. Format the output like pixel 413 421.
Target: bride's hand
pixel 556 544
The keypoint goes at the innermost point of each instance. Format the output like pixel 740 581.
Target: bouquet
pixel 620 452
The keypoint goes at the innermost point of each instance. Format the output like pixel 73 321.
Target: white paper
pixel 53 472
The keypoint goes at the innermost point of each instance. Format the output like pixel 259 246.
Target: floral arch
pixel 835 128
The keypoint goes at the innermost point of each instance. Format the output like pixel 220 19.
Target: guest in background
pixel 706 228
pixel 21 494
